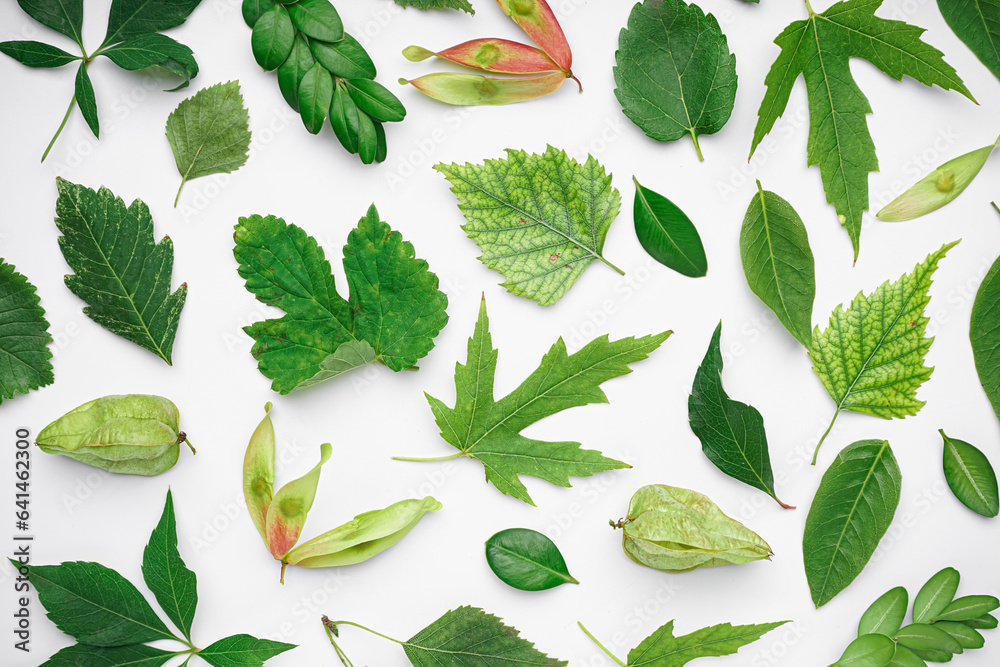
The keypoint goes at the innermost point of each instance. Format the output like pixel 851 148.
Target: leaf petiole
pixel 823 437
pixel 995 207
pixel 697 147
pixel 594 639
pixel 72 102
pixel 428 460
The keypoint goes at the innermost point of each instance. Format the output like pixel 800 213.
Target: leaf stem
pixel 828 429
pixel 594 639
pixel 61 126
pixel 378 634
pixel 697 147
pixel 182 437
pixel 620 272
pixel 427 460
pixel 809 7
pixel 994 204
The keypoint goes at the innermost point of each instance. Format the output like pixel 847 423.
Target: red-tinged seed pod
pixel 538 20
pixel 490 55
pixel 473 89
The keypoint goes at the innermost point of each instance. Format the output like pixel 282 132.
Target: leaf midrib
pixel 723 397
pixel 968 475
pixel 649 209
pixel 692 647
pixel 772 260
pixel 536 563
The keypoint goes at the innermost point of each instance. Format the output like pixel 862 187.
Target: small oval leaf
pixel 885 615
pixel 273 37
pixel 318 19
pixel 935 595
pixel 254 9
pixel 984 622
pixel 904 657
pixel 968 607
pixel 924 637
pixel 344 119
pixel 315 95
pixel 527 560
pixel 667 234
pixel 970 476
pixel 367 138
pixel 293 70
pixel 375 100
pixel 932 655
pixel 868 651
pixel 346 58
pixel 962 633
pixel 382 150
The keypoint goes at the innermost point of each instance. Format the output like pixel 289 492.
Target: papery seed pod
pixel 474 89
pixel 491 55
pixel 677 530
pixel 134 434
pixel 258 472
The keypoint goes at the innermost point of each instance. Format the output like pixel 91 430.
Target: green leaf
pixel 984 333
pixel 931 655
pixel 345 118
pixel 904 657
pixel 294 69
pixel 272 38
pixel 527 560
pixel 95 604
pixel 285 267
pixel 674 73
pixel 490 430
pixel 242 651
pixel 24 336
pixel 540 220
pixel 667 234
pixel 820 48
pixel 970 476
pixel 375 100
pixel 984 622
pixel 731 433
pixel 923 637
pixel 346 58
pixel 209 133
pixel 317 19
pixel 131 18
pixel 254 9
pixel 86 100
pixel 121 274
pixel 154 50
pixel 962 633
pixel 874 650
pixel 37 54
pixel 977 23
pixel 381 147
pixel 470 636
pixel 464 5
pixel 968 607
pixel 778 262
pixel 367 138
pixel 166 575
pixel 871 356
pixel 315 95
pixel 935 595
pixel 63 16
pixel 850 513
pixel 885 615
pixel 82 655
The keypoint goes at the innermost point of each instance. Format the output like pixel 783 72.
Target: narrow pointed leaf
pixel 968 607
pixel 977 23
pixel 131 18
pixel 258 472
pixel 778 262
pixel 935 595
pixel 63 16
pixel 970 477
pixel 527 560
pixel 121 274
pixel 272 38
pixel 317 19
pixel 731 433
pixel 924 637
pixel 850 513
pixel 37 54
pixel 967 637
pixel 885 616
pixel 674 73
pixel 166 575
pixel 667 234
pixel 874 650
pixel 346 58
pixel 242 651
pixel 375 100
pixel 86 100
pixel 315 95
pixel 984 333
pixel 472 89
pixel 81 655
pixel 663 649
pixel 540 220
pixel 154 50
pixel 491 55
pixel 294 69
pixel 24 336
pixel 537 19
pixel 254 9
pixel 438 4
pixel 286 514
pixel 345 119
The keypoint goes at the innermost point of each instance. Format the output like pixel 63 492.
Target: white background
pixel 81 513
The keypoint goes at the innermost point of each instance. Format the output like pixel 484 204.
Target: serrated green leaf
pixel 155 50
pixel 885 615
pixel 285 267
pixel 871 356
pixel 82 655
pixel 731 433
pixel 527 560
pixel 317 19
pixel 121 274
pixel 375 100
pixel 166 575
pixel 667 234
pixel 924 637
pixel 778 262
pixel 968 607
pixel 346 58
pixel 86 100
pixel 37 54
pixel 63 16
pixel 209 133
pixel 850 513
pixel 272 38
pixel 294 69
pixel 819 48
pixel 970 477
pixel 977 23
pixel 872 650
pixel 674 73
pixel 540 220
pixel 483 428
pixel 24 336
pixel 935 595
pixel 242 651
pixel 131 18
pixel 463 5
pixel 984 333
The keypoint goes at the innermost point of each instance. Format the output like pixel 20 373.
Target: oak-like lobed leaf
pixel 970 476
pixel 667 234
pixel 172 583
pixel 527 560
pixel 24 336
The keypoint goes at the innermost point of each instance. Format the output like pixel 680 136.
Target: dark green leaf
pixel 24 336
pixel 154 50
pixel 904 657
pixel 64 16
pixel 873 650
pixel 962 633
pixel 971 477
pixel 984 622
pixel 850 513
pixel 173 584
pixel 923 637
pixel 96 605
pixel 375 100
pixel 131 18
pixel 778 263
pixel 464 5
pixel 120 272
pixel 935 595
pixel 667 234
pixel 977 23
pixel 317 19
pixel 315 95
pixel 885 615
pixel 253 9
pixel 367 139
pixel 294 69
pixel 37 54
pixel 344 118
pixel 81 655
pixel 984 332
pixel 731 433
pixel 86 100
pixel 382 150
pixel 968 607
pixel 242 651
pixel 273 37
pixel 527 560
pixel 674 73
pixel 346 58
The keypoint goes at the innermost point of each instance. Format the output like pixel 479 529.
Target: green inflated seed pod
pixel 134 434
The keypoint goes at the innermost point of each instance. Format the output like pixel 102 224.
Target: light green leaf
pixel 871 356
pixel 967 637
pixel 977 23
pixel 820 48
pixel 242 651
pixel 874 650
pixel 120 272
pixel 924 637
pixel 24 336
pixel 540 220
pixel 209 133
pixel 463 5
pixel 935 595
pixel 984 333
pixel 904 657
pixel 885 615
pixel 968 607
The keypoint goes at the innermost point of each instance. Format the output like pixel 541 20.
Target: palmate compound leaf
pixel 871 356
pixel 394 311
pixel 120 272
pixel 489 430
pixel 24 336
pixel 819 48
pixel 540 220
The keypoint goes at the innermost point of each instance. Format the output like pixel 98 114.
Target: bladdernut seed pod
pixel 133 434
